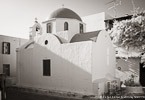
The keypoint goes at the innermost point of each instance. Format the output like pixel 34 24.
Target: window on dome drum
pixel 49 28
pixel 6 69
pixel 47 67
pixel 81 28
pixel 66 26
pixel 5 48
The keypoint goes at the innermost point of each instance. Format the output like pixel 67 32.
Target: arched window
pixel 81 28
pixel 66 26
pixel 49 28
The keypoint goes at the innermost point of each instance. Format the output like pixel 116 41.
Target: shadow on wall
pixel 65 75
pixel 127 69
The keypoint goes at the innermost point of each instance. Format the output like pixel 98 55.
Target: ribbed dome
pixel 65 13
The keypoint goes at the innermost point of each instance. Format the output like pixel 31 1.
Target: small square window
pixel 46 67
pixel 6 69
pixel 5 48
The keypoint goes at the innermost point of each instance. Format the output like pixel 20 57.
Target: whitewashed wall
pixel 74 66
pixel 96 21
pixel 73 26
pixel 70 67
pixel 53 23
pixel 103 63
pixel 10 58
pixel 58 27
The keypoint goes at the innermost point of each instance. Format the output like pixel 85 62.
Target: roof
pixel 64 13
pixel 132 52
pixel 58 38
pixel 89 36
pixel 120 18
pixel 11 36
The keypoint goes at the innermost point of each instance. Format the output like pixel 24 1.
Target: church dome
pixel 65 13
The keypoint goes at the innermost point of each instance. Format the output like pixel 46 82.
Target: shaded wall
pixel 70 68
pixel 128 67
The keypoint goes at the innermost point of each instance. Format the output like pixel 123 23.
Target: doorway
pixel 142 74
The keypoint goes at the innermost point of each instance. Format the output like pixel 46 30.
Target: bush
pixel 129 33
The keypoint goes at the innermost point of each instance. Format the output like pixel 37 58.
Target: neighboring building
pixel 8 47
pixel 65 57
pixel 127 60
pixel 96 21
pixel 128 63
pixel 109 22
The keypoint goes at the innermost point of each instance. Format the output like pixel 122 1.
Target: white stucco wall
pixel 58 27
pixel 70 66
pixel 95 22
pixel 53 42
pixel 10 58
pixel 75 67
pixel 63 35
pixel 103 61
pixel 73 26
pixel 53 23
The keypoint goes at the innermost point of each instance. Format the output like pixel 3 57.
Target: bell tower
pixel 35 30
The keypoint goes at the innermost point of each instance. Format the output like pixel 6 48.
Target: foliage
pixel 129 33
pixel 130 81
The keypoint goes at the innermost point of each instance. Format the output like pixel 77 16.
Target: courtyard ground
pixel 22 94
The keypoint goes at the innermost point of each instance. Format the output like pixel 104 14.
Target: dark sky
pixel 18 15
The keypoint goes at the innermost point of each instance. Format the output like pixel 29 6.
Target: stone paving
pixel 22 94
pixel 27 94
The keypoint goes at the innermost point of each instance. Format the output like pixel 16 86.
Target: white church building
pixel 61 55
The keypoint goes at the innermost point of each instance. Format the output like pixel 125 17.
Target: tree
pixel 130 33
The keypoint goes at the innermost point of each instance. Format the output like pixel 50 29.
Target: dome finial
pixel 62 5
